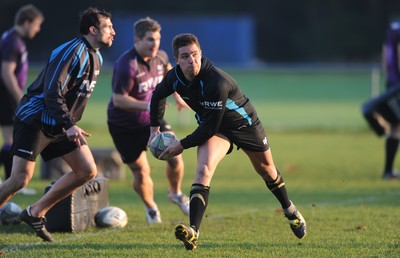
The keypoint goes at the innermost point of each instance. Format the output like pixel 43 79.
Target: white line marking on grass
pixel 358 200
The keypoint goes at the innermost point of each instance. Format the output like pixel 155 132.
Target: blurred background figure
pixel 391 68
pixel 136 74
pixel 14 73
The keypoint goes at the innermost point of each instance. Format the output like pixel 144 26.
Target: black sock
pixel 198 204
pixel 391 146
pixel 277 187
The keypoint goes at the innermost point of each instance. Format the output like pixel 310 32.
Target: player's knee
pixel 19 184
pixel 204 171
pixel 88 172
pixel 175 162
pixel 139 171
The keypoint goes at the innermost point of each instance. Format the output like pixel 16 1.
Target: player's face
pixel 105 33
pixel 148 46
pixel 33 28
pixel 189 59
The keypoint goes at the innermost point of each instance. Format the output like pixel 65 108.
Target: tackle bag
pixel 76 212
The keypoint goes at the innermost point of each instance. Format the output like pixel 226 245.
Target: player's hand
pixel 76 134
pixel 154 131
pixel 174 149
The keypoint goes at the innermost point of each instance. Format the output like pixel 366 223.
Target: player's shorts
pixel 252 138
pixel 131 142
pixel 393 84
pixel 7 106
pixel 30 141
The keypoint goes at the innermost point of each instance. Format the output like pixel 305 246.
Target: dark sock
pixel 6 159
pixel 277 187
pixel 391 146
pixel 198 204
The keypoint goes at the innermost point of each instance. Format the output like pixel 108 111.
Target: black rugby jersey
pixel 57 98
pixel 215 97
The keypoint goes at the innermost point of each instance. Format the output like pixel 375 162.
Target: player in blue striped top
pixel 47 115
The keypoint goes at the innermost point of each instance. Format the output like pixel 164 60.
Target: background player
pixel 136 74
pixel 391 68
pixel 14 73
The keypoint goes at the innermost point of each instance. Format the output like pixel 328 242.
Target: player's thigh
pixel 140 166
pixel 81 160
pixel 22 169
pixel 209 154
pixel 261 160
pixel 7 132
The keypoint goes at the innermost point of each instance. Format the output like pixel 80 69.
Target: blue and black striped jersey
pixel 214 95
pixel 57 98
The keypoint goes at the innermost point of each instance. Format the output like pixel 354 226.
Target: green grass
pixel 330 160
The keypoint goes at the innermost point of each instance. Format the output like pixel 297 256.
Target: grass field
pixel 329 158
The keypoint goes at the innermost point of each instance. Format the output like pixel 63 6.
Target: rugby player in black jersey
pixel 225 117
pixel 47 114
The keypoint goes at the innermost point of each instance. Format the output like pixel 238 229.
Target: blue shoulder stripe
pixel 74 43
pixel 175 85
pixel 85 62
pixel 59 49
pixel 100 57
pixel 202 87
pixel 74 63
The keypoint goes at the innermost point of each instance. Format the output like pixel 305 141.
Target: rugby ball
pixel 159 143
pixel 9 214
pixel 112 217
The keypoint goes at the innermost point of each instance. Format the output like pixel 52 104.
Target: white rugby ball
pixel 9 214
pixel 159 143
pixel 111 216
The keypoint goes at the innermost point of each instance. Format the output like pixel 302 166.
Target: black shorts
pixel 30 141
pixel 252 138
pixel 391 85
pixel 7 106
pixel 131 142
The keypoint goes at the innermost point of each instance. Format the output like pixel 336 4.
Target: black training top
pixel 215 97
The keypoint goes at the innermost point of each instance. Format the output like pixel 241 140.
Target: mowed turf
pixel 329 158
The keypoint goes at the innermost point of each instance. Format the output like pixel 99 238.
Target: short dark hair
pixel 91 17
pixel 144 25
pixel 27 13
pixel 182 40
